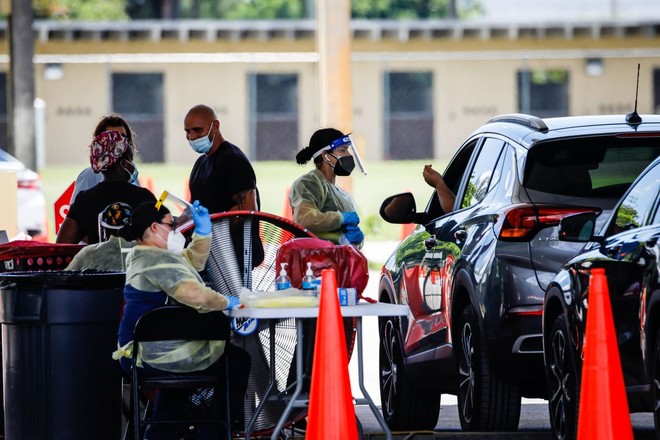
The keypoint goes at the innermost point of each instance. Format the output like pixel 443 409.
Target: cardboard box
pixel 347 296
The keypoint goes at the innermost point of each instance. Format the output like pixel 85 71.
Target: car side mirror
pixel 399 209
pixel 578 227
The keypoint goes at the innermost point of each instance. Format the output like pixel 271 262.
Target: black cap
pixel 144 215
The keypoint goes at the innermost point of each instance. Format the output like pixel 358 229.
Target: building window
pixel 273 116
pixel 656 91
pixel 138 97
pixel 543 93
pixel 408 115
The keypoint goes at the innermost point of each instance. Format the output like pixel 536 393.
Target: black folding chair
pixel 169 323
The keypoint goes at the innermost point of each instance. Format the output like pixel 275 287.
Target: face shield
pixel 344 141
pixel 176 205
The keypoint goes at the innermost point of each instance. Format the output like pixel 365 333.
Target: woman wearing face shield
pixel 159 271
pixel 317 202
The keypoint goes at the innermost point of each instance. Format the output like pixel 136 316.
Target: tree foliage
pixel 246 9
pixel 88 10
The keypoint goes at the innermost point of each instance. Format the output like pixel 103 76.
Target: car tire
pixel 562 369
pixel 487 401
pixel 404 408
pixel 655 382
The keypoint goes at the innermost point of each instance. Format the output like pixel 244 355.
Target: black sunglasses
pixel 172 224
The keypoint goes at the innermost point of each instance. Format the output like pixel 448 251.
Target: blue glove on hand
pixel 354 234
pixel 350 218
pixel 233 302
pixel 201 218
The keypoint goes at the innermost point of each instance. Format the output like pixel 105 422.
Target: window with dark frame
pixel 408 115
pixel 138 98
pixel 273 116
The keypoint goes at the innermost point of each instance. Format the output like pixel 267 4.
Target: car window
pixel 453 176
pixel 636 209
pixel 482 173
pixel 601 166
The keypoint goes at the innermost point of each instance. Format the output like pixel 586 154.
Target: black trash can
pixel 58 333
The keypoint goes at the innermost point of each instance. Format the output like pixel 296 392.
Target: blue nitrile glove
pixel 350 218
pixel 354 234
pixel 233 302
pixel 201 218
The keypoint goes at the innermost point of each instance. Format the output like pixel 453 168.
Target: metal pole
pixel 333 39
pixel 21 80
pixel 334 47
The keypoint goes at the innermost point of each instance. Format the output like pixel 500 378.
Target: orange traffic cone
pixel 603 411
pixel 331 414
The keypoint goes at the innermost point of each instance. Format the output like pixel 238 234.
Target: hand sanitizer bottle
pixel 283 281
pixel 308 281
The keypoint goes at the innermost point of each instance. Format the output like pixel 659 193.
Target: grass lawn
pixel 273 180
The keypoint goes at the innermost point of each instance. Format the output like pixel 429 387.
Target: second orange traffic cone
pixel 603 413
pixel 331 414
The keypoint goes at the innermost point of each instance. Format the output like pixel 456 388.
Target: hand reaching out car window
pixel 435 180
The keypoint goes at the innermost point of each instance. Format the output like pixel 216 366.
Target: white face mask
pixel 176 242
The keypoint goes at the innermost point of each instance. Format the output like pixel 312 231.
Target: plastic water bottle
pixel 308 281
pixel 283 281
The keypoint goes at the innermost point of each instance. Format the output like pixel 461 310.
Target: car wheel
pixel 656 382
pixel 487 401
pixel 404 407
pixel 563 377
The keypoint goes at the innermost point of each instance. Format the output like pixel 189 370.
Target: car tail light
pixel 29 184
pixel 520 223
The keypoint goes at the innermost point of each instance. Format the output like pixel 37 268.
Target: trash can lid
pixel 71 279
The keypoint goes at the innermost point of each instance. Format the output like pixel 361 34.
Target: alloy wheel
pixel 466 372
pixel 388 367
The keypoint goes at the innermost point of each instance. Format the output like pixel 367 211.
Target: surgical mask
pixel 344 165
pixel 133 177
pixel 176 242
pixel 203 144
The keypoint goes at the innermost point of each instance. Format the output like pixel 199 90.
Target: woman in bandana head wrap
pixel 110 154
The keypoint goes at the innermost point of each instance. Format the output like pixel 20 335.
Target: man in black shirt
pixel 222 178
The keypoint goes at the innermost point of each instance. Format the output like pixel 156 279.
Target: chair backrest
pixel 182 323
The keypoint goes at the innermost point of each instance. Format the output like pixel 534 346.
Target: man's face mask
pixel 202 144
pixel 344 165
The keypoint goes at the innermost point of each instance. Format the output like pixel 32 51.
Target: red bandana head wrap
pixel 106 149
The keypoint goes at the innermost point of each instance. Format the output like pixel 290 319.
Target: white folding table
pixel 300 314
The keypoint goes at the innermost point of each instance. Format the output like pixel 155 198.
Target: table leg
pixel 271 384
pixel 299 380
pixel 367 398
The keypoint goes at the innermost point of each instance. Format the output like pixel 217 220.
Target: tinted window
pixel 589 167
pixel 636 209
pixel 453 176
pixel 482 173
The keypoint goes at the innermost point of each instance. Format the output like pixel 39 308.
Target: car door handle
pixel 460 235
pixel 430 243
